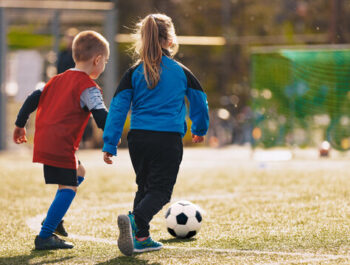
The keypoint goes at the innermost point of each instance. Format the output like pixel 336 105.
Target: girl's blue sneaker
pixel 126 238
pixel 146 245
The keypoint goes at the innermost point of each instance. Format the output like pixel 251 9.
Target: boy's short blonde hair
pixel 88 44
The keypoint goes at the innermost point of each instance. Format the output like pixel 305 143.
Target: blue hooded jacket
pixel 162 108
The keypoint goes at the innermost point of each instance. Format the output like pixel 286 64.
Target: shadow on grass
pixel 28 259
pixel 127 260
pixel 177 240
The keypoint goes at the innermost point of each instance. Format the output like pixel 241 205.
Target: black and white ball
pixel 183 219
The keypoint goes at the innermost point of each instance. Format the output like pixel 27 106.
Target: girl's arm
pixel 118 111
pixel 199 111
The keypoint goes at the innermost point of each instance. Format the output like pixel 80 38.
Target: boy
pixel 64 107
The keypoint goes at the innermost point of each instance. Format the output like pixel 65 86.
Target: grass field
pixel 287 212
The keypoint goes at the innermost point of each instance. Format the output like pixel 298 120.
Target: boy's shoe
pixel 59 229
pixel 52 242
pixel 125 240
pixel 147 245
pixel 133 224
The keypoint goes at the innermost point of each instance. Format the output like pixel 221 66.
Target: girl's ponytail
pixel 153 33
pixel 151 52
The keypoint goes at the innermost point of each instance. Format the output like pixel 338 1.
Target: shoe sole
pixel 125 240
pixel 147 249
pixel 52 248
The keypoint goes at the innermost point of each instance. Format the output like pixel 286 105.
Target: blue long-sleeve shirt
pixel 162 108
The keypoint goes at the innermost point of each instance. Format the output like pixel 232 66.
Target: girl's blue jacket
pixel 162 108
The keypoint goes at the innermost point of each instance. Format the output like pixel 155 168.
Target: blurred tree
pixel 224 71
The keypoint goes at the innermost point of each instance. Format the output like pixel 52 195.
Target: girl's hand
pixel 19 135
pixel 107 158
pixel 197 139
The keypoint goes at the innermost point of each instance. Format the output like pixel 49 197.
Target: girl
pixel 155 88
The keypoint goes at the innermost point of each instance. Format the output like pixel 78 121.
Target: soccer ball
pixel 183 219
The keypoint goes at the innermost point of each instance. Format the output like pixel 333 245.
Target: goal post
pixel 107 7
pixel 3 48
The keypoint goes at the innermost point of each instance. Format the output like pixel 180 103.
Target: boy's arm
pixel 29 105
pixel 91 98
pixel 100 117
pixel 199 111
pixel 118 111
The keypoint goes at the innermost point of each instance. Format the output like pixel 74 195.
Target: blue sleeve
pixel 116 117
pixel 199 110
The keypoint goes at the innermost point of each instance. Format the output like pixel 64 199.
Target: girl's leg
pixel 162 154
pixel 140 167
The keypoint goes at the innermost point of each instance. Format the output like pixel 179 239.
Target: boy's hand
pixel 107 158
pixel 19 135
pixel 197 139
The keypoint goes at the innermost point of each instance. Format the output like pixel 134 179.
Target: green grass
pixel 294 212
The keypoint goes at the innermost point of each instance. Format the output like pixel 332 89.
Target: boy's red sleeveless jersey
pixel 60 121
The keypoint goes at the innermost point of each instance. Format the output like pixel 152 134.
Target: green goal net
pixel 301 97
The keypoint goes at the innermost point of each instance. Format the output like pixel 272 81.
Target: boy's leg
pixel 60 230
pixel 46 239
pixel 80 173
pixel 67 186
pixel 57 210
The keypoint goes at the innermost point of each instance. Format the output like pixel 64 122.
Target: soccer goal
pixel 53 13
pixel 301 96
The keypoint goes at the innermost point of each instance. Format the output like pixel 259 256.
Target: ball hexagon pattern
pixel 183 219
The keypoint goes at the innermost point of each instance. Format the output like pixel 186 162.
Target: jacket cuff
pixel 110 149
pixel 199 132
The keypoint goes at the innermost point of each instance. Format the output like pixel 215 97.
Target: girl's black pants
pixel 156 157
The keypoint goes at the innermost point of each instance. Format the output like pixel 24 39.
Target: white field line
pixel 34 224
pixel 261 252
pixel 300 261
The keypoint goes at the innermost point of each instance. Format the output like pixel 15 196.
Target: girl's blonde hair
pixel 154 32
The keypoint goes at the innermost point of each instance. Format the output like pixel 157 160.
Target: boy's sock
pixel 80 180
pixel 57 210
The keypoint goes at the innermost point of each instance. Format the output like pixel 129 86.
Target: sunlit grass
pixel 258 213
